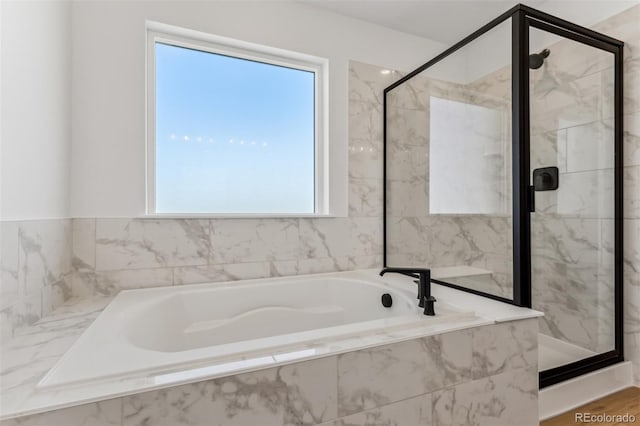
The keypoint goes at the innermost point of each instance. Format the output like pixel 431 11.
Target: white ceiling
pixel 450 21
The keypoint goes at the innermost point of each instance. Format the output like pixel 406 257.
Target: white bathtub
pixel 171 329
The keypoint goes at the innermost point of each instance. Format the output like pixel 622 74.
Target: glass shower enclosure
pixel 503 174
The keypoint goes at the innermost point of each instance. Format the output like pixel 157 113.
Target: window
pixel 233 129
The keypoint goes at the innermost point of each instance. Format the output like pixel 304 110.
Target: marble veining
pixel 445 240
pixel 9 264
pixel 494 400
pixel 137 244
pixel 365 197
pixel 35 349
pixel 560 100
pixel 83 247
pixel 162 254
pixel 325 238
pixel 366 82
pixel 252 240
pixel 301 394
pixel 103 413
pixel 411 411
pixel 631 147
pixel 36 270
pixel 367 378
pixel 365 123
pixel 549 149
pixel 632 294
pixel 506 346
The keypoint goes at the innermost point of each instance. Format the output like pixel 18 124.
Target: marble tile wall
pixel 418 238
pixel 450 240
pixel 35 268
pixel 482 376
pixel 110 255
pixel 114 254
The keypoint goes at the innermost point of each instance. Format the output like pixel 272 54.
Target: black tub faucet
pixel 423 275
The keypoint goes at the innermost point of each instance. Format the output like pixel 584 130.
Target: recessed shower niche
pixel 503 164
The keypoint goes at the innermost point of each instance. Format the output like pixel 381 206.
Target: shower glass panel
pixel 448 168
pixel 572 228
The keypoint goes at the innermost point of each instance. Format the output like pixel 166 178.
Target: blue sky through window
pixel 232 135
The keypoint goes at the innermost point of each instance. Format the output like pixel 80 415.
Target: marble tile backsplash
pixel 35 268
pixel 136 253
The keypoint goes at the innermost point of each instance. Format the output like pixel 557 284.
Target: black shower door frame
pixel 524 18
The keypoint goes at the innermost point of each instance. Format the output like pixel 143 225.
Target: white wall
pixel 35 112
pixel 109 79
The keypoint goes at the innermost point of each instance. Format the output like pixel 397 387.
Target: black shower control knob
pixel 387 301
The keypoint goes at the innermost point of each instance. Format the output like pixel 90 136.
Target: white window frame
pixel 180 37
